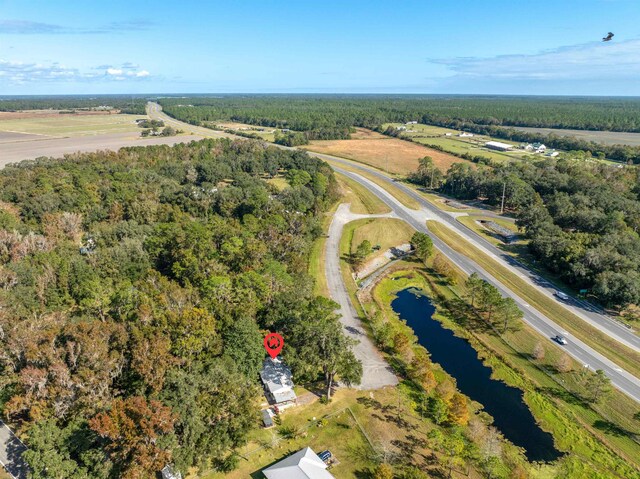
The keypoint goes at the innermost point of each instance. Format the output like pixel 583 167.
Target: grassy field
pixel 388 154
pixel 606 137
pixel 474 145
pixel 386 232
pixel 589 431
pixel 361 199
pixel 72 125
pixel 400 195
pixel 610 348
pixel 264 132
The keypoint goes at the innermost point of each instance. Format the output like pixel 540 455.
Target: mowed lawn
pixel 65 125
pixel 388 154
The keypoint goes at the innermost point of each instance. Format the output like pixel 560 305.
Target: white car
pixel 561 295
pixel 561 340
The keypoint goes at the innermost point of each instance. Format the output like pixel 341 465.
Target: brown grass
pixel 15 115
pixel 388 154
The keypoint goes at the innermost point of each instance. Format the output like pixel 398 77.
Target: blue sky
pixel 408 46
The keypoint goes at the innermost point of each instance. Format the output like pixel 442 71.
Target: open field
pixel 57 147
pixel 388 154
pixel 264 132
pixel 553 397
pixel 474 145
pixel 600 342
pixel 71 125
pixel 606 137
pixel 362 200
pixel 385 232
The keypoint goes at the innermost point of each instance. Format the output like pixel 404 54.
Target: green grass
pixel 576 425
pixel 73 125
pixel 396 192
pixel 386 232
pixel 279 182
pixel 362 200
pixel 317 257
pixel 615 351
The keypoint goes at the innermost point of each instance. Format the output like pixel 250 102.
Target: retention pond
pixel 458 358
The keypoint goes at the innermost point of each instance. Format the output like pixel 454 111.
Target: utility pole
pixel 504 189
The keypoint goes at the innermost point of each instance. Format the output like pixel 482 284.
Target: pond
pixel 457 357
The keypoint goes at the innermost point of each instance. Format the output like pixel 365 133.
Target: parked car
pixel 561 295
pixel 561 340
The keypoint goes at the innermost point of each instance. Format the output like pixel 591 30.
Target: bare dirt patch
pixel 389 154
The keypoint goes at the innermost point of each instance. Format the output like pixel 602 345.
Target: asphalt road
pixel 11 449
pixel 590 358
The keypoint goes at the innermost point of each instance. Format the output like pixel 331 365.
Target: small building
pixel 528 147
pixel 169 473
pixel 304 464
pixel 447 134
pixel 464 134
pixel 412 122
pixel 277 383
pixel 401 128
pixel 552 154
pixel 498 145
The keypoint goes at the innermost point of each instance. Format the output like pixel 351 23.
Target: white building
pixel 277 383
pixel 412 122
pixel 304 464
pixel 497 145
pixel 539 147
pixel 464 134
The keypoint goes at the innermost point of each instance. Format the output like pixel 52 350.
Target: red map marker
pixel 273 343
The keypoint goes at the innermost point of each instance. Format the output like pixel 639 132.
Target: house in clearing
pixel 304 464
pixel 539 147
pixel 498 145
pixel 277 383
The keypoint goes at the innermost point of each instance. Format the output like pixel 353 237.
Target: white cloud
pixel 590 61
pixel 17 72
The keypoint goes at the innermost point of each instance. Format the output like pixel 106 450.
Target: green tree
pixel 322 347
pixel 598 385
pixel 509 315
pixel 473 285
pixel 423 246
pixel 383 471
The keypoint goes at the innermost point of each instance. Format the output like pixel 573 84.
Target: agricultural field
pixel 474 145
pixel 389 154
pixel 67 125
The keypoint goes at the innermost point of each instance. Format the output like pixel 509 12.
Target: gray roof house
pixel 304 464
pixel 278 386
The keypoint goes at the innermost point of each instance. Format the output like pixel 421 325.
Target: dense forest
pixel 135 290
pixel 126 104
pixel 309 112
pixel 582 218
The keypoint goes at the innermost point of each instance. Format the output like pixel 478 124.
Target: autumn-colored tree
pixel 133 427
pixel 538 351
pixel 420 369
pixel 383 471
pixel 458 410
pixel 564 364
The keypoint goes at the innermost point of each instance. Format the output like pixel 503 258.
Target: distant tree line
pixel 126 104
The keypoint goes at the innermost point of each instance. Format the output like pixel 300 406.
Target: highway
pixel 621 379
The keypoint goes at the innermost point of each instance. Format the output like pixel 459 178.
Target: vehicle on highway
pixel 561 340
pixel 561 295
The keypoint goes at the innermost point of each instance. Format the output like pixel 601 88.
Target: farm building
pixel 539 147
pixel 413 122
pixel 277 383
pixel 304 464
pixel 464 134
pixel 497 145
pixel 552 154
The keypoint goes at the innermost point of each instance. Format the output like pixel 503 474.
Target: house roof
pixel 276 377
pixel 304 464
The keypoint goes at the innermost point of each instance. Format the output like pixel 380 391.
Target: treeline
pixel 135 290
pixel 309 112
pixel 126 104
pixel 582 219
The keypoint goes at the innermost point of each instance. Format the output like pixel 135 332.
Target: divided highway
pixel 621 379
